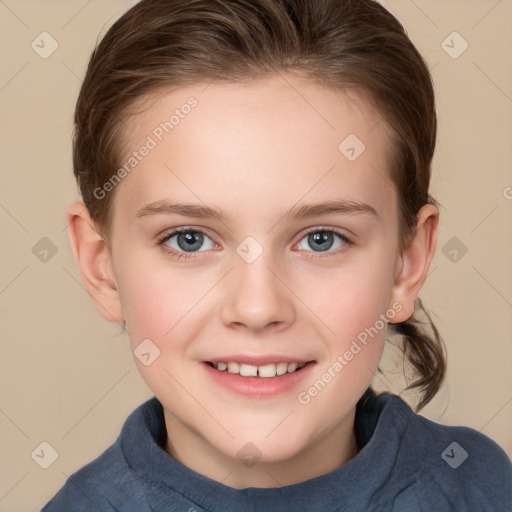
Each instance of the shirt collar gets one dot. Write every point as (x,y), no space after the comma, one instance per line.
(380,421)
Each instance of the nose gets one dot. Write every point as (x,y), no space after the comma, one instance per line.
(257,297)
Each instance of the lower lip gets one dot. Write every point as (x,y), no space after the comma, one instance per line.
(259,386)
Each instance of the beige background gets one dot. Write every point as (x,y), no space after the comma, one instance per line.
(67,377)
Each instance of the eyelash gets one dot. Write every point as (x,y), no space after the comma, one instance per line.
(188,229)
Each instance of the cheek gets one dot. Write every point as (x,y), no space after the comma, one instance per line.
(159,306)
(154,301)
(357,298)
(354,308)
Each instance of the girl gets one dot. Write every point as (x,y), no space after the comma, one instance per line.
(256,213)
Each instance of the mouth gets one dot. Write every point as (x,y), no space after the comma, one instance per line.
(266,371)
(259,378)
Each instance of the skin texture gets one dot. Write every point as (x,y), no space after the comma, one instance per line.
(253,152)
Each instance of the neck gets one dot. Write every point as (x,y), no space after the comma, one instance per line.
(328,453)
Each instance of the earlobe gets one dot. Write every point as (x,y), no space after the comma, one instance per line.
(415,262)
(94,261)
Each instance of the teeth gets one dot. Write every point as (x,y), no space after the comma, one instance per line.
(248,370)
(268,370)
(265,371)
(282,368)
(233,368)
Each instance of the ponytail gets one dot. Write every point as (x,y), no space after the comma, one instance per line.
(425,352)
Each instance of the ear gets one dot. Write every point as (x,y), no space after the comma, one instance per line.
(94,260)
(414,262)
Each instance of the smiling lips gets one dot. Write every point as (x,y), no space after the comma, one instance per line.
(267,370)
(258,376)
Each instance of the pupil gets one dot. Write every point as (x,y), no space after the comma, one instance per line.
(190,241)
(323,239)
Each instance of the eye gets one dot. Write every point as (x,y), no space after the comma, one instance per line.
(322,240)
(185,240)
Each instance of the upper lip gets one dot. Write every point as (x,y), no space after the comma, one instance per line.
(258,360)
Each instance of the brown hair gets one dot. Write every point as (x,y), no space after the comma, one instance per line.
(343,44)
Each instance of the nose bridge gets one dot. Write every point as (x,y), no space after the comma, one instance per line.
(257,297)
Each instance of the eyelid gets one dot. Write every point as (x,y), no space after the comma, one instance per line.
(339,231)
(346,240)
(169,233)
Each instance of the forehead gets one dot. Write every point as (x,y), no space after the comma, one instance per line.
(275,139)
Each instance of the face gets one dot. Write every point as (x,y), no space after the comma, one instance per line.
(288,254)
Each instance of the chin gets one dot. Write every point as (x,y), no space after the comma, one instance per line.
(252,449)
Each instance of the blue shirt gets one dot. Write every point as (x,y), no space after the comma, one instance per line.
(405,463)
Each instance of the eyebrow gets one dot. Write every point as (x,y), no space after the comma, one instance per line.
(301,212)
